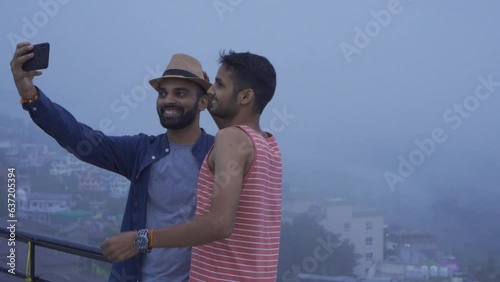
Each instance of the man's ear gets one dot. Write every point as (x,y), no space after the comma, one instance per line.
(203,103)
(246,96)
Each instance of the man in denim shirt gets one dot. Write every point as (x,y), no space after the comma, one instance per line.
(162,169)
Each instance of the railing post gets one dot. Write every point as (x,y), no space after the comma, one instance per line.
(32,260)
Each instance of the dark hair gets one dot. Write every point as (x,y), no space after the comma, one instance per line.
(251,71)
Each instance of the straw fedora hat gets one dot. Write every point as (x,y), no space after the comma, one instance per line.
(186,67)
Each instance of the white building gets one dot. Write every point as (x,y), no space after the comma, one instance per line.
(118,186)
(363,228)
(41,206)
(10,148)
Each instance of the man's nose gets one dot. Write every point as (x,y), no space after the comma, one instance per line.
(210,91)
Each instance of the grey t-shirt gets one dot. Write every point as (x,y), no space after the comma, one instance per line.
(171,200)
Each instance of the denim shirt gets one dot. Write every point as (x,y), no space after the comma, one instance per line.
(130,156)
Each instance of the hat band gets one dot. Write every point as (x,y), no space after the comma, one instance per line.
(179,72)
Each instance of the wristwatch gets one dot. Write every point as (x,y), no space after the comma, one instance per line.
(142,242)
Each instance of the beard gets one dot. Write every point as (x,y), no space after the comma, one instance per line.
(219,111)
(183,120)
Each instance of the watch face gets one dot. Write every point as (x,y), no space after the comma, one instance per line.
(141,241)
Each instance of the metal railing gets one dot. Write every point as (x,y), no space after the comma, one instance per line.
(51,243)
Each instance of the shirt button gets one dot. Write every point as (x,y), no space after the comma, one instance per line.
(153,157)
(167,150)
(34,108)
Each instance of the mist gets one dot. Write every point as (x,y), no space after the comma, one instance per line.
(389,104)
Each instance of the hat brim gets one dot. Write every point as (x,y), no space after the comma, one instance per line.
(155,83)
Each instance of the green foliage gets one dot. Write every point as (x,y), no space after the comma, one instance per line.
(488,271)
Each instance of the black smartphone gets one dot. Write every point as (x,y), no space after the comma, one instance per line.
(41,58)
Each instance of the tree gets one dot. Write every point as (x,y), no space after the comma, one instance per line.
(487,271)
(306,247)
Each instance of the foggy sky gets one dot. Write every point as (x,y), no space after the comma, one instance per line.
(350,118)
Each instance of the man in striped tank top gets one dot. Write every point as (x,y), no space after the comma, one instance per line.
(236,231)
(239,186)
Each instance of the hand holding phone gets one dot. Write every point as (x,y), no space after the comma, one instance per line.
(24,78)
(40,59)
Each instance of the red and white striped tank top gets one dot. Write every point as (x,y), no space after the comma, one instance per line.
(251,252)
